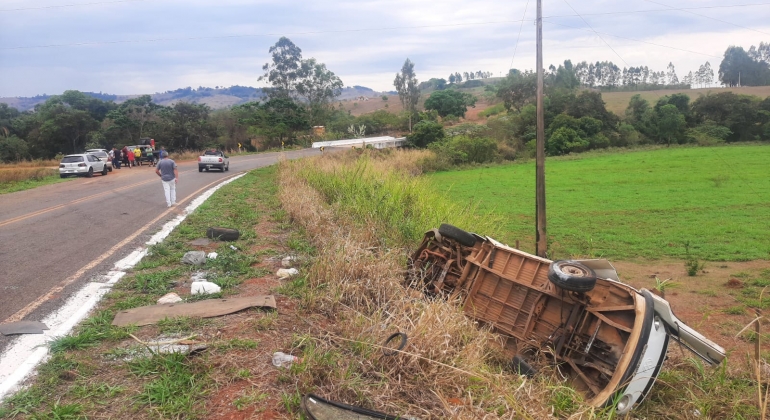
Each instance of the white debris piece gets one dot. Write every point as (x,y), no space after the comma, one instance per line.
(281,359)
(285,273)
(287,262)
(233,248)
(194,258)
(198,276)
(169,298)
(212,255)
(204,288)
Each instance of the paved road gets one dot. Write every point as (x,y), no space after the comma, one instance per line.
(55,238)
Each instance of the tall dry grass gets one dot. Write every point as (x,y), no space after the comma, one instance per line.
(39,163)
(10,175)
(451,366)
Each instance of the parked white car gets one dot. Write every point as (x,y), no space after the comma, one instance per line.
(82,164)
(103,156)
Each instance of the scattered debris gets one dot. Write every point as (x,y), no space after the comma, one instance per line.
(317,408)
(169,298)
(223,234)
(285,273)
(387,351)
(287,262)
(204,288)
(233,248)
(175,345)
(194,258)
(22,327)
(199,276)
(148,315)
(201,242)
(734,283)
(212,255)
(281,359)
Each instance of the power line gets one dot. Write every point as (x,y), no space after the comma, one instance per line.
(516,47)
(709,17)
(638,40)
(597,33)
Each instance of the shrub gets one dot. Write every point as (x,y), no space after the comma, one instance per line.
(466,149)
(709,133)
(565,140)
(425,133)
(13,149)
(493,110)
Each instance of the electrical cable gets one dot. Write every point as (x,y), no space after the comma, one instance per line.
(597,33)
(516,47)
(709,17)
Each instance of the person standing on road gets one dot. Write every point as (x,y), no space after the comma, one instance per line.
(138,155)
(130,154)
(111,153)
(118,159)
(169,175)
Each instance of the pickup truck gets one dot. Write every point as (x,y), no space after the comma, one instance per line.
(213,159)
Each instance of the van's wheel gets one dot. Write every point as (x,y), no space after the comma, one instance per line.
(227,168)
(104,170)
(223,234)
(457,234)
(90,172)
(572,276)
(521,367)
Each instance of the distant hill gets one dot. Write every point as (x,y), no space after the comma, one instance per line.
(216,98)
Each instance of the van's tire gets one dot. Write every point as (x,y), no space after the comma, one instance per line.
(572,276)
(223,234)
(520,366)
(457,234)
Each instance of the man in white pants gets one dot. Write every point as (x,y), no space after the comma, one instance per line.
(169,175)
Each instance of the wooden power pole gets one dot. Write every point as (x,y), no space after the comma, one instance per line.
(541,239)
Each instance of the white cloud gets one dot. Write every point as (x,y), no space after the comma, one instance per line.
(199,42)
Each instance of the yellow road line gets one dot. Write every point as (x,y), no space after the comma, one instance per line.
(18,316)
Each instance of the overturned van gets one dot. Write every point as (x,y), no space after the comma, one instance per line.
(610,338)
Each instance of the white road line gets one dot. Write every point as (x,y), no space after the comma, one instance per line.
(27,351)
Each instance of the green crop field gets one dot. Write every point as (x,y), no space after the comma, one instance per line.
(633,205)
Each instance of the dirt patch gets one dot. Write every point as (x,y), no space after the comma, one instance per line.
(705,301)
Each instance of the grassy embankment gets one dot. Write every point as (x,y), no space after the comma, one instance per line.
(361,215)
(28,174)
(635,204)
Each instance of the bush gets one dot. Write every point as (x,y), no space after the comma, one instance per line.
(425,133)
(466,149)
(709,133)
(565,140)
(493,110)
(13,149)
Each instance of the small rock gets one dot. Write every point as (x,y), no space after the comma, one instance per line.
(199,276)
(169,298)
(194,258)
(204,288)
(285,273)
(201,242)
(212,255)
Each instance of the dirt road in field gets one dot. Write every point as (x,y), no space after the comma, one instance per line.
(55,238)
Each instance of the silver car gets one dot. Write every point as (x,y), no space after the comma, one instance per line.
(81,164)
(103,156)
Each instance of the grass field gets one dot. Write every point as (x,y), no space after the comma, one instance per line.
(617,102)
(644,204)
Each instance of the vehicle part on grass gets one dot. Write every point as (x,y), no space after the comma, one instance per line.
(520,366)
(212,255)
(317,408)
(204,288)
(572,276)
(169,298)
(223,234)
(285,273)
(608,338)
(148,315)
(457,234)
(281,359)
(22,327)
(388,351)
(194,258)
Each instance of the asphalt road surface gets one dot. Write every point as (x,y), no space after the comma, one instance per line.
(55,238)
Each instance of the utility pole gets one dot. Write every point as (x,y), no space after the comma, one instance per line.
(541,240)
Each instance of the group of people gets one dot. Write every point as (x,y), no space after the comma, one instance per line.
(130,157)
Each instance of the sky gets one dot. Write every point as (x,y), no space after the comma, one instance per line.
(149,46)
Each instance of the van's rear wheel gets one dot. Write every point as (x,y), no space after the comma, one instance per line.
(457,234)
(572,276)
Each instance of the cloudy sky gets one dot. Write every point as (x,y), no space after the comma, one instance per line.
(148,46)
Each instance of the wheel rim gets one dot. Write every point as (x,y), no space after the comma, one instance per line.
(574,270)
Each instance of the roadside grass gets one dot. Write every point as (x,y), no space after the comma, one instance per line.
(100,366)
(631,205)
(355,282)
(13,180)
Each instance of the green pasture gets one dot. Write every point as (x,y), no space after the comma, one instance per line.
(629,205)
